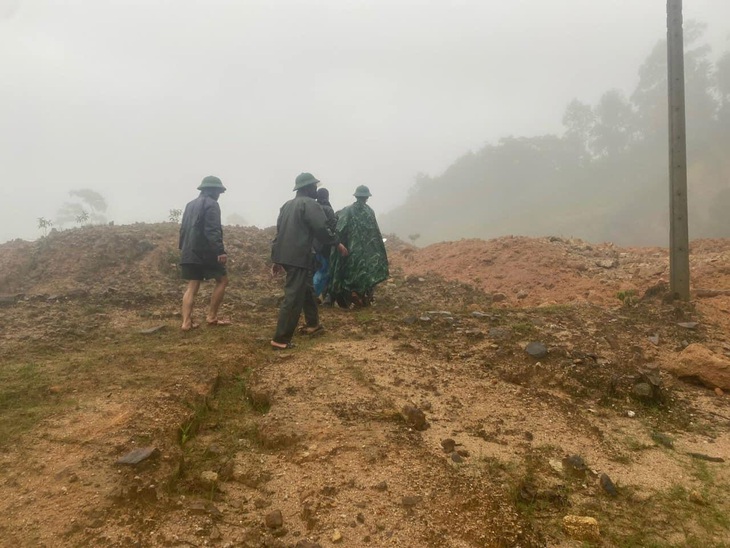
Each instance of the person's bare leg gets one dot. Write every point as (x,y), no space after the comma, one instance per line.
(217,298)
(187,304)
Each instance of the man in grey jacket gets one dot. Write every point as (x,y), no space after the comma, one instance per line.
(203,256)
(300,221)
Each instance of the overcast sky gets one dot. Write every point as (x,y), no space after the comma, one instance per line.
(139,100)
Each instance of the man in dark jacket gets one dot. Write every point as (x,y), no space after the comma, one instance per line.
(300,221)
(203,256)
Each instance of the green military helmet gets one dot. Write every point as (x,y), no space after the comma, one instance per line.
(212,182)
(362,192)
(305,179)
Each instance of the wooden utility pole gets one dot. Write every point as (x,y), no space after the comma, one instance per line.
(678,225)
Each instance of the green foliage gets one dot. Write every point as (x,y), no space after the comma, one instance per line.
(627,297)
(25,398)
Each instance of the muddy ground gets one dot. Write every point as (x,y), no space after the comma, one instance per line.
(345,440)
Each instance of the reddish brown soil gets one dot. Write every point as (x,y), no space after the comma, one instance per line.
(323,433)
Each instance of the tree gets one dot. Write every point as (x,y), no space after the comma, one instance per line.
(604,178)
(650,96)
(175,215)
(82,217)
(613,131)
(579,120)
(44,224)
(88,204)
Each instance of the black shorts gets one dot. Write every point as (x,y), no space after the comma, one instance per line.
(202,271)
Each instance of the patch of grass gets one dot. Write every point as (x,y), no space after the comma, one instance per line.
(495,467)
(358,373)
(671,518)
(523,329)
(364,316)
(628,297)
(26,398)
(701,471)
(632,444)
(192,424)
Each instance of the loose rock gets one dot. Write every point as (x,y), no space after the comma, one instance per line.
(138,455)
(536,350)
(699,362)
(448,445)
(274,519)
(608,485)
(581,528)
(415,418)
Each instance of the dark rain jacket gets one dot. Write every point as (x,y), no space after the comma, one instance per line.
(367,263)
(319,247)
(201,233)
(300,221)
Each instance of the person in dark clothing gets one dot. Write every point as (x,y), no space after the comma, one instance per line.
(300,221)
(322,251)
(353,279)
(203,256)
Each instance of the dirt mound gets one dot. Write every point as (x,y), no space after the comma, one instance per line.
(141,256)
(535,271)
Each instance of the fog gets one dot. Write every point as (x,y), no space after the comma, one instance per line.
(139,100)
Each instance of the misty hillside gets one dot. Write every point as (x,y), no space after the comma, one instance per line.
(605,178)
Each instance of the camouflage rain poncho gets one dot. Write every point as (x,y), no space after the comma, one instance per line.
(366,265)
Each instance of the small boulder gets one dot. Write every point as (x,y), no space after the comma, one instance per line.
(274,520)
(536,350)
(415,418)
(699,362)
(607,485)
(448,445)
(575,465)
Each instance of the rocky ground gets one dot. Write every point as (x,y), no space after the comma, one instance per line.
(512,392)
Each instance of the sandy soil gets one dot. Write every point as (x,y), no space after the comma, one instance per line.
(332,435)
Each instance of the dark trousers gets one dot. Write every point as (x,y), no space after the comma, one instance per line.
(298,295)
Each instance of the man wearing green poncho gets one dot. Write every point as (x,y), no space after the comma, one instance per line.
(354,277)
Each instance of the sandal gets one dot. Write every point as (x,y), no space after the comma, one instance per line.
(192,326)
(282,346)
(219,323)
(311,330)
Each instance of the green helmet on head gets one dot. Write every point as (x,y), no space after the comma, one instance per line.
(362,192)
(212,182)
(305,179)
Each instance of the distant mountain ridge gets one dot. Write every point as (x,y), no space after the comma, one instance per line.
(606,178)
